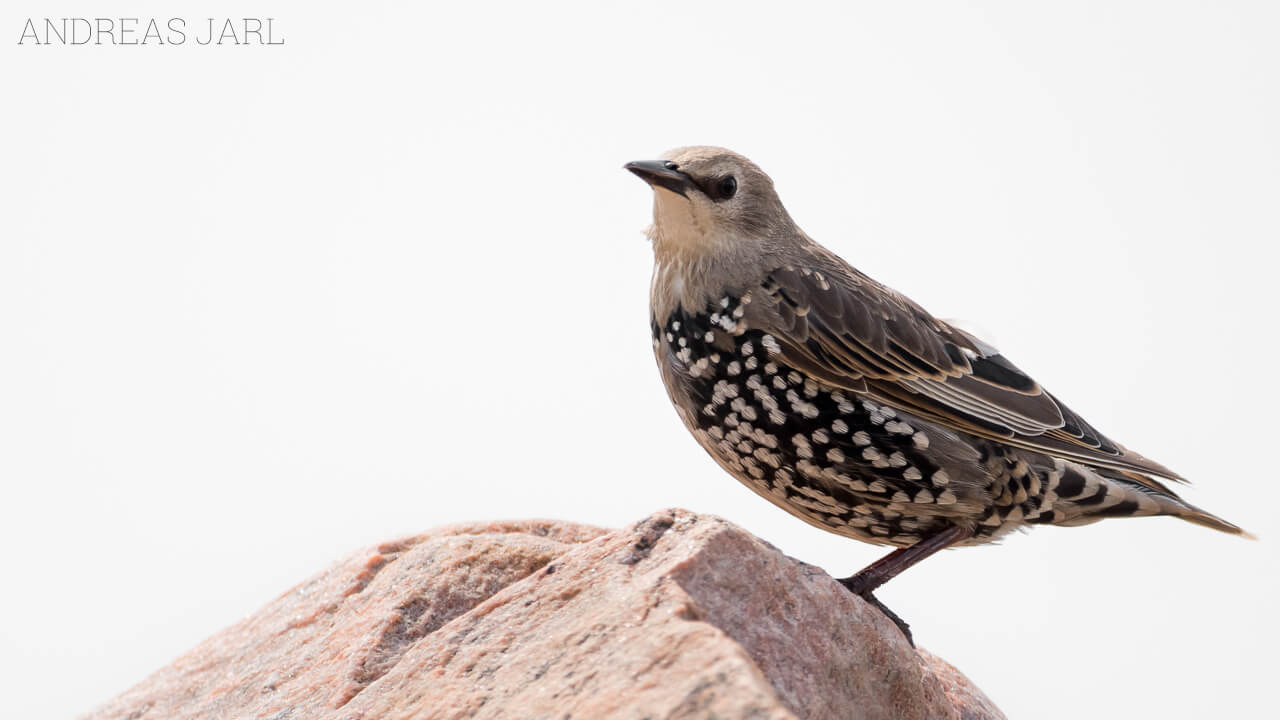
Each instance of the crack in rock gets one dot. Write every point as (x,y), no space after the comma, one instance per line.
(650,531)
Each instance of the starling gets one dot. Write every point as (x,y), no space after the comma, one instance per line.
(848,405)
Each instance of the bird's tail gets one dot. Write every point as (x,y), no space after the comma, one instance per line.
(1193,514)
(1086,495)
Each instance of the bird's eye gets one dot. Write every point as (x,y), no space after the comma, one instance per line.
(726,188)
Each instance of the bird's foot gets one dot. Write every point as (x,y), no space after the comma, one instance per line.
(854,586)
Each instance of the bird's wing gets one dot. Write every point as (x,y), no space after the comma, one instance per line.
(844,328)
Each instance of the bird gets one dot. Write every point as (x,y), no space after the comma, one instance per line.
(848,405)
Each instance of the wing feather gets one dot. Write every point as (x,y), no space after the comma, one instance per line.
(842,327)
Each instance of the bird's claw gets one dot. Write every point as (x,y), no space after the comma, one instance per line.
(855,587)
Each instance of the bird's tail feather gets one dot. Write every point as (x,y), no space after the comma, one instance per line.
(1172,505)
(1101,493)
(1193,514)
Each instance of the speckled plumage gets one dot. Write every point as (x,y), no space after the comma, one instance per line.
(845,403)
(855,465)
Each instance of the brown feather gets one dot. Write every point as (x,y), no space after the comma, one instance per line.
(854,333)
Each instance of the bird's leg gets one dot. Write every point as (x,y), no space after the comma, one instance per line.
(865,582)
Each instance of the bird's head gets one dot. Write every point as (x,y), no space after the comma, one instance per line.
(712,204)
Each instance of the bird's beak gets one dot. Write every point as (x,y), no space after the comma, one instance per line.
(661,174)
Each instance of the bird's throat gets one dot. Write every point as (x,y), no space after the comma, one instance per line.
(682,231)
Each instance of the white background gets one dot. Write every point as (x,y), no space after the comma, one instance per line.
(262,306)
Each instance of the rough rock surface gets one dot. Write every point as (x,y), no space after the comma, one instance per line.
(678,616)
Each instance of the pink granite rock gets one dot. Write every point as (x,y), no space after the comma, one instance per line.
(678,616)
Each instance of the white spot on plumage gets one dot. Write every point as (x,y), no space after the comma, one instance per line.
(857,486)
(899,428)
(808,469)
(696,369)
(767,457)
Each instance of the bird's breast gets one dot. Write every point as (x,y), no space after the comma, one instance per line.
(835,458)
